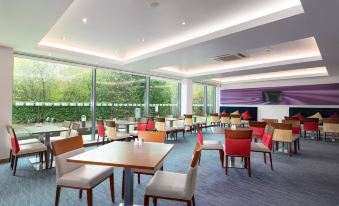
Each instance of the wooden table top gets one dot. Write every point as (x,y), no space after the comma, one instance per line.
(125,154)
(45,128)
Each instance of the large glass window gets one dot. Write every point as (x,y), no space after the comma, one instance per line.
(50,93)
(198,99)
(119,94)
(211,92)
(164,97)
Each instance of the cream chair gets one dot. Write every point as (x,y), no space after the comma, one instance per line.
(112,133)
(174,186)
(283,133)
(24,150)
(211,145)
(78,176)
(215,119)
(160,126)
(180,127)
(148,136)
(64,134)
(189,126)
(330,126)
(75,127)
(236,120)
(225,120)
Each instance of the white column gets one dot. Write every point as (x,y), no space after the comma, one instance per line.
(217,99)
(6,89)
(186,96)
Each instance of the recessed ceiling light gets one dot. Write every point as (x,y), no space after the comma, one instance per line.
(154,4)
(268,50)
(84,20)
(143,40)
(183,23)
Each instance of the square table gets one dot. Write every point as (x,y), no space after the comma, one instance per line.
(126,155)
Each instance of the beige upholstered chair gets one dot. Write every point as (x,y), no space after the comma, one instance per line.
(21,150)
(174,186)
(201,121)
(283,133)
(148,136)
(265,146)
(78,176)
(75,127)
(236,120)
(211,145)
(330,126)
(160,126)
(189,126)
(112,133)
(215,119)
(225,120)
(180,126)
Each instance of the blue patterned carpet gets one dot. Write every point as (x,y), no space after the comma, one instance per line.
(308,178)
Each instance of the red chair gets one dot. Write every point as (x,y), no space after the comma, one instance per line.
(258,128)
(142,126)
(238,144)
(265,146)
(311,125)
(150,125)
(101,131)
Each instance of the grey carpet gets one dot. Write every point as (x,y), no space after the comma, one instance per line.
(308,178)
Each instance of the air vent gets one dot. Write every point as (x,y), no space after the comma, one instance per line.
(229,57)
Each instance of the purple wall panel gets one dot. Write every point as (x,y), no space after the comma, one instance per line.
(323,94)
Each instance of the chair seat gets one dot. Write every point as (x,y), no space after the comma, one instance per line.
(167,184)
(179,128)
(151,172)
(28,141)
(212,145)
(259,147)
(87,176)
(32,148)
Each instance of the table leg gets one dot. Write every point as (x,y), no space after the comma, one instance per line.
(128,187)
(127,128)
(41,165)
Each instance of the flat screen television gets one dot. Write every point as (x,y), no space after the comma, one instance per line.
(271,96)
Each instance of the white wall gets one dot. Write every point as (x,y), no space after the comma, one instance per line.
(278,111)
(186,96)
(6,80)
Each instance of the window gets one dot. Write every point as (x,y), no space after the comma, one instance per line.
(198,99)
(50,93)
(164,97)
(119,94)
(211,92)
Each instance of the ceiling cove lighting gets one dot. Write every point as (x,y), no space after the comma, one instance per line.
(194,35)
(289,74)
(78,50)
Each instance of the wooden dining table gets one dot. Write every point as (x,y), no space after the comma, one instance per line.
(45,131)
(126,155)
(126,123)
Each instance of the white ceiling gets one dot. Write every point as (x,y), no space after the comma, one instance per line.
(114,32)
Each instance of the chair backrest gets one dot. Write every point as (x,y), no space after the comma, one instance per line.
(74,129)
(179,123)
(152,136)
(282,132)
(202,119)
(111,130)
(143,120)
(270,120)
(238,142)
(150,124)
(131,119)
(200,137)
(311,124)
(291,118)
(225,119)
(258,127)
(13,140)
(101,128)
(64,149)
(66,124)
(331,125)
(295,125)
(160,125)
(142,126)
(188,120)
(66,134)
(268,136)
(235,119)
(191,178)
(214,117)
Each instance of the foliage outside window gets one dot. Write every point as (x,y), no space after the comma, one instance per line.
(210,107)
(198,99)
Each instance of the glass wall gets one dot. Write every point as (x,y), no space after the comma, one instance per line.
(198,99)
(50,92)
(119,94)
(211,95)
(164,97)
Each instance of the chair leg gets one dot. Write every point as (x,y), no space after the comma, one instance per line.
(189,203)
(12,161)
(271,160)
(264,157)
(299,144)
(193,200)
(46,159)
(80,193)
(139,178)
(290,149)
(111,184)
(155,200)
(295,146)
(15,164)
(10,156)
(226,168)
(103,140)
(52,159)
(98,141)
(324,136)
(57,195)
(222,155)
(89,197)
(123,185)
(304,134)
(249,166)
(146,200)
